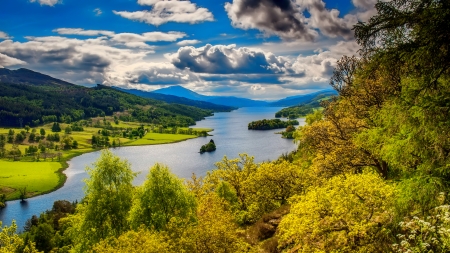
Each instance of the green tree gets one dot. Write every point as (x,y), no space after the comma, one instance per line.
(161,198)
(42,131)
(56,127)
(108,199)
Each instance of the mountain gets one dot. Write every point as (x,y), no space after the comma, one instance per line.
(302,99)
(33,98)
(180,91)
(180,100)
(29,77)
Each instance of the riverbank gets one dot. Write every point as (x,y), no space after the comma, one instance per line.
(41,176)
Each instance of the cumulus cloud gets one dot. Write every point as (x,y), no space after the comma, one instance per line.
(188,42)
(98,11)
(286,19)
(273,17)
(328,21)
(222,59)
(164,11)
(4,36)
(79,61)
(80,31)
(46,2)
(148,37)
(6,61)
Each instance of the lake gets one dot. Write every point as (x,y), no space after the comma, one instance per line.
(230,136)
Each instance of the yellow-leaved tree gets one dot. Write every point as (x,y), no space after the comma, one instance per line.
(348,213)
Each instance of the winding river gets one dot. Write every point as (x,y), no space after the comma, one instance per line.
(230,135)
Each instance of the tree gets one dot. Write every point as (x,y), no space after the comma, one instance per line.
(11,242)
(349,213)
(108,198)
(215,230)
(141,241)
(161,198)
(42,131)
(56,127)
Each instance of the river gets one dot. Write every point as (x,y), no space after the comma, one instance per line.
(230,136)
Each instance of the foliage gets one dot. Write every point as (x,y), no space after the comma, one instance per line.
(210,146)
(347,214)
(299,111)
(215,230)
(431,234)
(143,240)
(161,198)
(11,242)
(107,203)
(267,124)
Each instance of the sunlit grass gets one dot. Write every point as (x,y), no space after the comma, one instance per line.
(37,177)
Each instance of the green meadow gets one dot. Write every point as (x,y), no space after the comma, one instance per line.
(37,177)
(40,175)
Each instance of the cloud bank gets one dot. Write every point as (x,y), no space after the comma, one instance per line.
(164,11)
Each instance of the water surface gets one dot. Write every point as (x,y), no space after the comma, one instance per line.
(230,136)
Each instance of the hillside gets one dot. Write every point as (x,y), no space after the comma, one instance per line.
(32,98)
(180,100)
(303,109)
(302,99)
(180,91)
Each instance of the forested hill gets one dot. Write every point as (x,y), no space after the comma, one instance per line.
(32,98)
(180,100)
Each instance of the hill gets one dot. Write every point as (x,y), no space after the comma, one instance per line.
(180,91)
(32,98)
(180,100)
(302,99)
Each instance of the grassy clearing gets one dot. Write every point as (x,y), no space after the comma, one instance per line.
(46,175)
(155,138)
(37,177)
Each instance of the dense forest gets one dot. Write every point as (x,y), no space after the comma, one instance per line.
(41,99)
(371,173)
(298,111)
(267,124)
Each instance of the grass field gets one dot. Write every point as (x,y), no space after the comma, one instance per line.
(155,138)
(46,175)
(37,177)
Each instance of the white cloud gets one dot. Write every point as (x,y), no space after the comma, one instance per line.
(222,59)
(81,31)
(46,2)
(148,37)
(6,61)
(188,42)
(164,11)
(4,35)
(98,11)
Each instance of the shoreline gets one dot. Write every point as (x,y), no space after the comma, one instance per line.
(62,177)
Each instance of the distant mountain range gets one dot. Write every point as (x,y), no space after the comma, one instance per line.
(177,93)
(179,100)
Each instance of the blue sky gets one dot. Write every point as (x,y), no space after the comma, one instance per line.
(260,49)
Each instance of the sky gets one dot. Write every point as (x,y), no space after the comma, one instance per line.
(259,49)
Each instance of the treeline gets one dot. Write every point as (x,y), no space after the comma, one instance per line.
(302,110)
(27,104)
(267,124)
